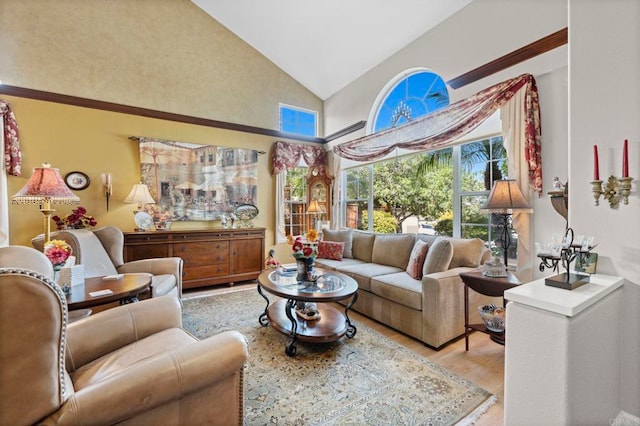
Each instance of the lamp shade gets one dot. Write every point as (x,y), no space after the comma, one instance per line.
(314,207)
(139,194)
(45,185)
(505,197)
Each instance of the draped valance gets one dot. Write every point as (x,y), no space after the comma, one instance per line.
(287,156)
(445,126)
(12,156)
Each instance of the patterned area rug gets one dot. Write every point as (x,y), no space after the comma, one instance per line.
(367,380)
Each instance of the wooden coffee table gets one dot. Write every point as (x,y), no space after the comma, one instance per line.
(125,290)
(330,287)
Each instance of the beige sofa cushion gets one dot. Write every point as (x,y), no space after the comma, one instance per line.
(392,249)
(438,257)
(362,245)
(466,252)
(340,235)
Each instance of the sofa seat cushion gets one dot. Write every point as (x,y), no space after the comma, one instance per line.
(399,288)
(362,273)
(333,264)
(119,361)
(162,284)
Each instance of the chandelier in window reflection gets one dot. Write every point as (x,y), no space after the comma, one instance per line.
(402,110)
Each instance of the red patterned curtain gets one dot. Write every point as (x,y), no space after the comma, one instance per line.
(443,127)
(287,156)
(12,155)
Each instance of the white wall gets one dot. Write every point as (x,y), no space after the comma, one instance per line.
(605,109)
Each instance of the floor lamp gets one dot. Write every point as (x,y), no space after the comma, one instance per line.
(505,197)
(45,187)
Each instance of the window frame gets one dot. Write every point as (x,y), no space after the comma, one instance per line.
(292,108)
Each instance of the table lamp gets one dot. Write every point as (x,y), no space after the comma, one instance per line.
(314,209)
(139,194)
(45,187)
(504,198)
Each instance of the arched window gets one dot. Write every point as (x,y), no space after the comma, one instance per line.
(411,94)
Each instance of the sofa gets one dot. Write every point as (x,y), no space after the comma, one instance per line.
(101,252)
(410,282)
(130,365)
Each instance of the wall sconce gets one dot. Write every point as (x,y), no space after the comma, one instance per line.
(616,188)
(106,183)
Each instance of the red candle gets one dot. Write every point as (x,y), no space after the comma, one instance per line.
(596,166)
(625,159)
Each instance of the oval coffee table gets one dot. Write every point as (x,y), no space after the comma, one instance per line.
(330,287)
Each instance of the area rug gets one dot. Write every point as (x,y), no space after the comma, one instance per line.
(366,380)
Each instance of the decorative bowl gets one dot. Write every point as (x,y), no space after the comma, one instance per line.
(493,317)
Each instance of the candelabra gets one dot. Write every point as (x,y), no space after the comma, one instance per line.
(568,253)
(615,189)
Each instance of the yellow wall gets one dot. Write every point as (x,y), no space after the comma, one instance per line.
(165,55)
(94,141)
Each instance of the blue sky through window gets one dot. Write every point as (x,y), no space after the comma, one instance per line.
(416,95)
(298,121)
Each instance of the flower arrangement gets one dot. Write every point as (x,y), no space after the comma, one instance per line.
(161,218)
(57,251)
(312,235)
(77,219)
(302,249)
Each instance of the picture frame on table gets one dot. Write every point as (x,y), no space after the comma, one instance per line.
(587,263)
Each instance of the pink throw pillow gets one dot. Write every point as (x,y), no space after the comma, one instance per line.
(330,250)
(416,259)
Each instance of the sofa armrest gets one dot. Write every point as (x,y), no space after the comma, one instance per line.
(156,266)
(443,306)
(158,381)
(107,331)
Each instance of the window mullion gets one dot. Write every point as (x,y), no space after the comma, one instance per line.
(457,196)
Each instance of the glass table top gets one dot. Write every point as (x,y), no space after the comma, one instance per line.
(325,282)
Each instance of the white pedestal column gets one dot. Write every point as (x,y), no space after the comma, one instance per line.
(563,353)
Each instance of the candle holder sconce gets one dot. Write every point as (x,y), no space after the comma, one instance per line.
(613,191)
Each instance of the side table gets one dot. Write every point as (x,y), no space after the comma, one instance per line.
(488,286)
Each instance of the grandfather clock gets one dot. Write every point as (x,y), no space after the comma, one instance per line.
(320,193)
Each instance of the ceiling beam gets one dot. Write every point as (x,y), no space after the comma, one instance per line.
(538,47)
(144,112)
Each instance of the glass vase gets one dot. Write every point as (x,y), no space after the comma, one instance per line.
(304,266)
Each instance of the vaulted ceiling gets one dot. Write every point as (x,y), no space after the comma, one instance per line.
(327,44)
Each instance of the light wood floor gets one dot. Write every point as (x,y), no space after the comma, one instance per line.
(482,365)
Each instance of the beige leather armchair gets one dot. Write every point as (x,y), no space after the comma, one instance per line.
(131,365)
(101,253)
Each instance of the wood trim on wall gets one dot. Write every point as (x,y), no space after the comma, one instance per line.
(349,129)
(144,112)
(538,47)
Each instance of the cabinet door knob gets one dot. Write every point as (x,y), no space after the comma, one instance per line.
(219,258)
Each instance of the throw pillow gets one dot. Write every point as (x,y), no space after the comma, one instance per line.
(340,235)
(466,252)
(438,257)
(330,250)
(416,259)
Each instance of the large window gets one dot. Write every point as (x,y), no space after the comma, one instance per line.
(295,201)
(442,189)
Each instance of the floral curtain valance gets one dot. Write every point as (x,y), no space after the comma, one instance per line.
(287,156)
(12,154)
(443,127)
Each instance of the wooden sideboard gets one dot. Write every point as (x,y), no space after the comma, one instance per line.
(215,256)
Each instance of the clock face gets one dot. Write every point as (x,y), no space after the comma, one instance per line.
(77,180)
